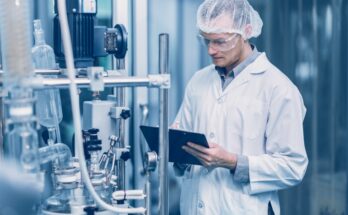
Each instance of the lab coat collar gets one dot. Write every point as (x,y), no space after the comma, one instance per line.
(259,66)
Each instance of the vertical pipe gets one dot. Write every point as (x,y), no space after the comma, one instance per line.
(1,115)
(140,59)
(120,15)
(121,101)
(1,126)
(148,194)
(163,127)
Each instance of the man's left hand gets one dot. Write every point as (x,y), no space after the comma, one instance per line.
(214,156)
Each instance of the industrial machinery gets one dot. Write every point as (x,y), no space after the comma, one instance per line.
(93,179)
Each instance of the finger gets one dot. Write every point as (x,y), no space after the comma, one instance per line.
(204,159)
(204,163)
(193,153)
(213,145)
(198,147)
(196,153)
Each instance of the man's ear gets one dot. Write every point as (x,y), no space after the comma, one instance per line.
(248,31)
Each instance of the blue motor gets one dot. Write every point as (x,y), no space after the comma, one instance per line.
(88,40)
(81,19)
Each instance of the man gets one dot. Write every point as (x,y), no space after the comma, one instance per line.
(251,114)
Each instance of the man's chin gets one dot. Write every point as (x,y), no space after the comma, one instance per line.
(219,63)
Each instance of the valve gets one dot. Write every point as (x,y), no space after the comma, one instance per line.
(91,142)
(125,114)
(90,210)
(125,155)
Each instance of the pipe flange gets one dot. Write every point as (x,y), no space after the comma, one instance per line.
(151,159)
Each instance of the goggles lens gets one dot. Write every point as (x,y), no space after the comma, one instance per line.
(223,44)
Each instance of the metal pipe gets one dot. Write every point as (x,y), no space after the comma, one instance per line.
(121,102)
(42,72)
(1,126)
(150,81)
(108,81)
(163,127)
(148,194)
(48,71)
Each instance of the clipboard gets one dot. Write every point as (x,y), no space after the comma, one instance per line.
(177,139)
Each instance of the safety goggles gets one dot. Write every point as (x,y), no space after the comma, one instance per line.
(222,44)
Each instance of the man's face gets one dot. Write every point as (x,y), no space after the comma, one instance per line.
(225,49)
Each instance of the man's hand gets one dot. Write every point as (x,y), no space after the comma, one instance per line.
(215,156)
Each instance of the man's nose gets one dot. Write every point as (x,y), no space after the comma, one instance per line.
(211,51)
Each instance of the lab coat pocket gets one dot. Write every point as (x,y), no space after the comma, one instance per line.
(253,116)
(233,121)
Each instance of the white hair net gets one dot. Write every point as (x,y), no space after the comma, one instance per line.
(229,16)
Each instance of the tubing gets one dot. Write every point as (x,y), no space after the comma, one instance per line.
(76,114)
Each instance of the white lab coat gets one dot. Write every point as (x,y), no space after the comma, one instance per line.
(259,115)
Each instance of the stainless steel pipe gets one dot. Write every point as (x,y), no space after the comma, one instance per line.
(42,72)
(1,126)
(108,81)
(121,102)
(163,127)
(151,81)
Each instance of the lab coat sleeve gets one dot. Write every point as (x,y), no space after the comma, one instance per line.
(285,161)
(183,119)
(241,173)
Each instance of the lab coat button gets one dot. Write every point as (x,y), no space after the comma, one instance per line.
(211,135)
(220,100)
(200,204)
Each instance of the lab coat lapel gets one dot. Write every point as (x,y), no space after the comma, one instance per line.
(217,88)
(257,67)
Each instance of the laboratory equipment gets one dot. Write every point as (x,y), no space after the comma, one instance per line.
(81,15)
(93,179)
(16,43)
(43,55)
(48,105)
(22,140)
